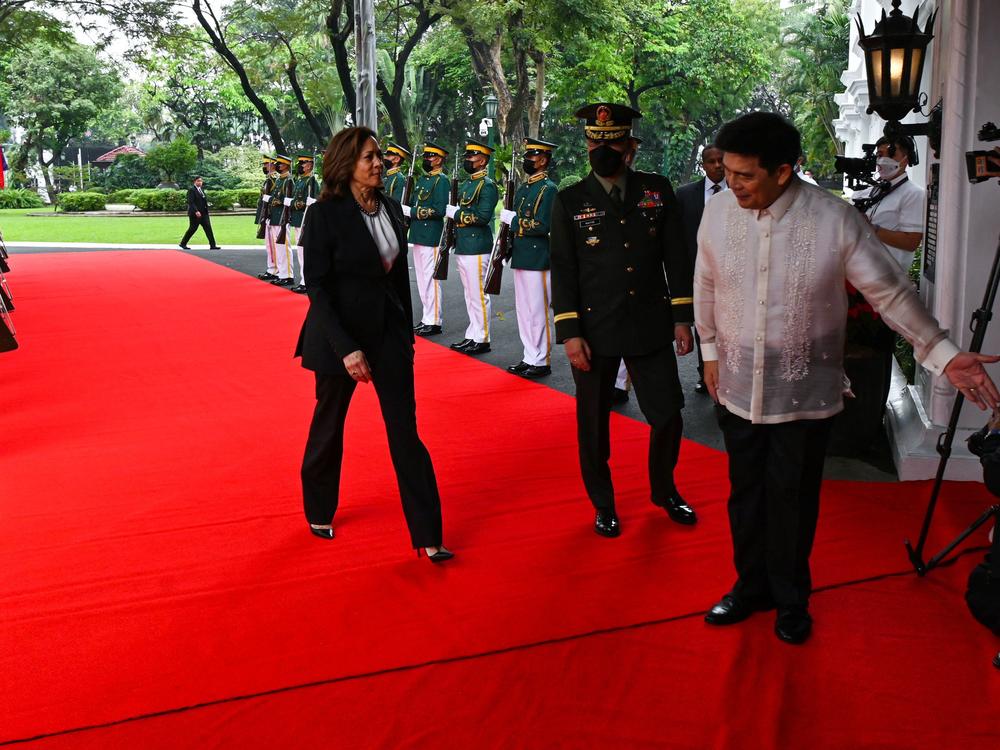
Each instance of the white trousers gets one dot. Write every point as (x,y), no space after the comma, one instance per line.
(621,382)
(272,266)
(472,272)
(293,241)
(282,254)
(532,291)
(424,258)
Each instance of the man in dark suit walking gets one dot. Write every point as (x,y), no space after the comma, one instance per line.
(692,198)
(197,205)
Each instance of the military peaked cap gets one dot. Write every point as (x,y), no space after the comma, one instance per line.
(607,122)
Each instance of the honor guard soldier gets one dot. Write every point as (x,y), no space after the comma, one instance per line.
(281,198)
(263,211)
(395,176)
(426,213)
(477,200)
(530,260)
(616,243)
(305,193)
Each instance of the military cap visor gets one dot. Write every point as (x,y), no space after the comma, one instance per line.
(532,147)
(282,159)
(434,150)
(305,157)
(392,148)
(607,122)
(477,147)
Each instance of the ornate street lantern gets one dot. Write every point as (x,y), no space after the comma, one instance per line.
(894,59)
(490,102)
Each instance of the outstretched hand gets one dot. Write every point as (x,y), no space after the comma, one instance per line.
(967,374)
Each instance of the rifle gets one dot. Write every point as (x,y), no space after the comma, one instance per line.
(286,208)
(503,246)
(408,185)
(447,240)
(264,208)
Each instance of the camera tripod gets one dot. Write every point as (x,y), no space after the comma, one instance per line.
(978,324)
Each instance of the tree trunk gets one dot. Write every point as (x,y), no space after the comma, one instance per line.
(339,38)
(218,42)
(322,133)
(535,108)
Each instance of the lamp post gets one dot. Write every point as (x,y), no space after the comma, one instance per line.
(490,103)
(894,60)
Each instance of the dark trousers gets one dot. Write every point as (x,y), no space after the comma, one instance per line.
(701,362)
(193,223)
(657,388)
(775,473)
(392,373)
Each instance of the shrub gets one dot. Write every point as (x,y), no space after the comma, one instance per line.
(160,200)
(127,171)
(568,181)
(121,196)
(216,177)
(81,202)
(248,198)
(20,198)
(221,200)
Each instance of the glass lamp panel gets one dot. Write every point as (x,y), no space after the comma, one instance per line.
(897,55)
(876,69)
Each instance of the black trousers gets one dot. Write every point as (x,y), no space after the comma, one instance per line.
(193,223)
(392,377)
(658,390)
(775,473)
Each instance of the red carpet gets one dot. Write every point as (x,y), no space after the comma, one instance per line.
(154,559)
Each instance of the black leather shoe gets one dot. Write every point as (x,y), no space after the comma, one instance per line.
(266,276)
(701,388)
(606,523)
(299,289)
(518,368)
(183,247)
(428,330)
(284,282)
(732,610)
(322,533)
(793,625)
(475,348)
(460,345)
(438,557)
(620,396)
(536,371)
(215,247)
(678,510)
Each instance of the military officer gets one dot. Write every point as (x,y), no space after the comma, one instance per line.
(620,395)
(426,212)
(477,200)
(263,210)
(395,176)
(304,194)
(281,199)
(530,260)
(616,244)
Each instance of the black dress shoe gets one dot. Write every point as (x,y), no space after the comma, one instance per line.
(438,557)
(701,388)
(428,330)
(215,247)
(536,371)
(322,533)
(793,625)
(518,368)
(620,396)
(475,348)
(678,510)
(299,289)
(266,276)
(284,282)
(732,610)
(460,345)
(183,247)
(606,523)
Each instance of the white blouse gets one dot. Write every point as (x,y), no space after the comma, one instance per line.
(382,231)
(770,303)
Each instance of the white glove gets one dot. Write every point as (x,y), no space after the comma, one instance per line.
(451,211)
(267,198)
(288,201)
(310,201)
(507,216)
(406,211)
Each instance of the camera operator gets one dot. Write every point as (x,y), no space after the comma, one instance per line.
(983,593)
(895,207)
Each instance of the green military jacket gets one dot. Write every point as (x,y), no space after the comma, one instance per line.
(395,181)
(427,209)
(305,187)
(477,199)
(262,205)
(533,204)
(283,186)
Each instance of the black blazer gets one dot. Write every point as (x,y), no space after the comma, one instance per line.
(351,297)
(691,198)
(196,202)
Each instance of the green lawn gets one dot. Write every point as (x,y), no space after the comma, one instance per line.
(18,226)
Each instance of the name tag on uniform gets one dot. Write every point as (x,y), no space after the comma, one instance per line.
(651,199)
(589,218)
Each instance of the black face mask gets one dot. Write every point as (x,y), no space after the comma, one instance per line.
(428,167)
(468,166)
(265,170)
(605,161)
(529,167)
(298,169)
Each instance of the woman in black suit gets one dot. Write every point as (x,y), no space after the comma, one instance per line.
(359,329)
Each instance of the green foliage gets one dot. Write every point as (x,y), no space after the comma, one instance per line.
(247,198)
(242,162)
(128,171)
(221,200)
(160,200)
(173,160)
(20,198)
(121,196)
(215,177)
(70,202)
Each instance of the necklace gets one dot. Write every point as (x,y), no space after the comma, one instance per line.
(369,214)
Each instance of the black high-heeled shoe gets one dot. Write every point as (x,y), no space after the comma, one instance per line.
(438,557)
(322,533)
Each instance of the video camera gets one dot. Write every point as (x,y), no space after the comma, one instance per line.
(984,165)
(858,169)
